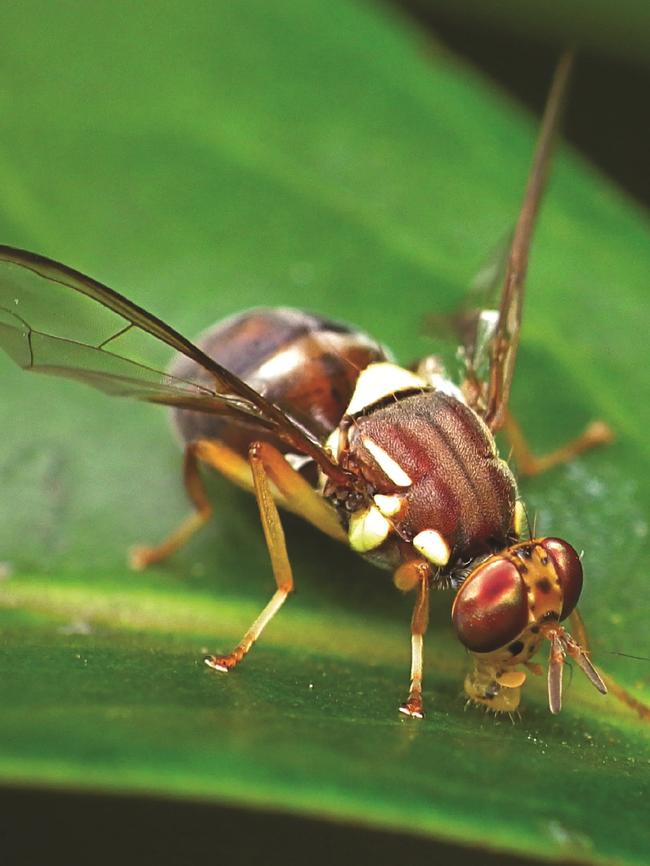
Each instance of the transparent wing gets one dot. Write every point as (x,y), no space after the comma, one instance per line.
(487,324)
(472,325)
(504,342)
(55,320)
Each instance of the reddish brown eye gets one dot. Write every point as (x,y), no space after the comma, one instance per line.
(569,569)
(491,607)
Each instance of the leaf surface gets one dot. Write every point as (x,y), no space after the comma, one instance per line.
(324,157)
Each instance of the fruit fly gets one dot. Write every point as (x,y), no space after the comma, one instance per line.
(316,417)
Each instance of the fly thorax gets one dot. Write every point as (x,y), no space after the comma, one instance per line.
(431,482)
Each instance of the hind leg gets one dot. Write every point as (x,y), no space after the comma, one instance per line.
(224,460)
(290,490)
(596,433)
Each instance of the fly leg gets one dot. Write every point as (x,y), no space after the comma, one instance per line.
(226,461)
(579,633)
(419,622)
(294,493)
(596,433)
(268,467)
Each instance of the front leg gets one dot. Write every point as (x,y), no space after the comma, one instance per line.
(419,622)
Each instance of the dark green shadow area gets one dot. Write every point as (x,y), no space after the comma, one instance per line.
(174,833)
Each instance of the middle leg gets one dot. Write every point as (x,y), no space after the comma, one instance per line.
(260,455)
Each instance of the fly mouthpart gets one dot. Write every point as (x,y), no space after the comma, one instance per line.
(563,644)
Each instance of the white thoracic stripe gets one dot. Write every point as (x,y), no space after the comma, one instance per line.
(387,465)
(379,380)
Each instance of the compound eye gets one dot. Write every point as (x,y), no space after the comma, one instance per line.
(569,570)
(491,607)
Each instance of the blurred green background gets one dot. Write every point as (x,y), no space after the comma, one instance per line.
(212,157)
(514,42)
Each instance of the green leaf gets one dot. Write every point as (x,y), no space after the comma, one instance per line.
(326,157)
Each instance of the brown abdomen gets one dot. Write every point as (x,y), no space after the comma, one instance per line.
(305,364)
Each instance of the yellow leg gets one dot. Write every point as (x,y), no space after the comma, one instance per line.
(290,490)
(596,433)
(413,705)
(294,493)
(580,634)
(262,456)
(142,556)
